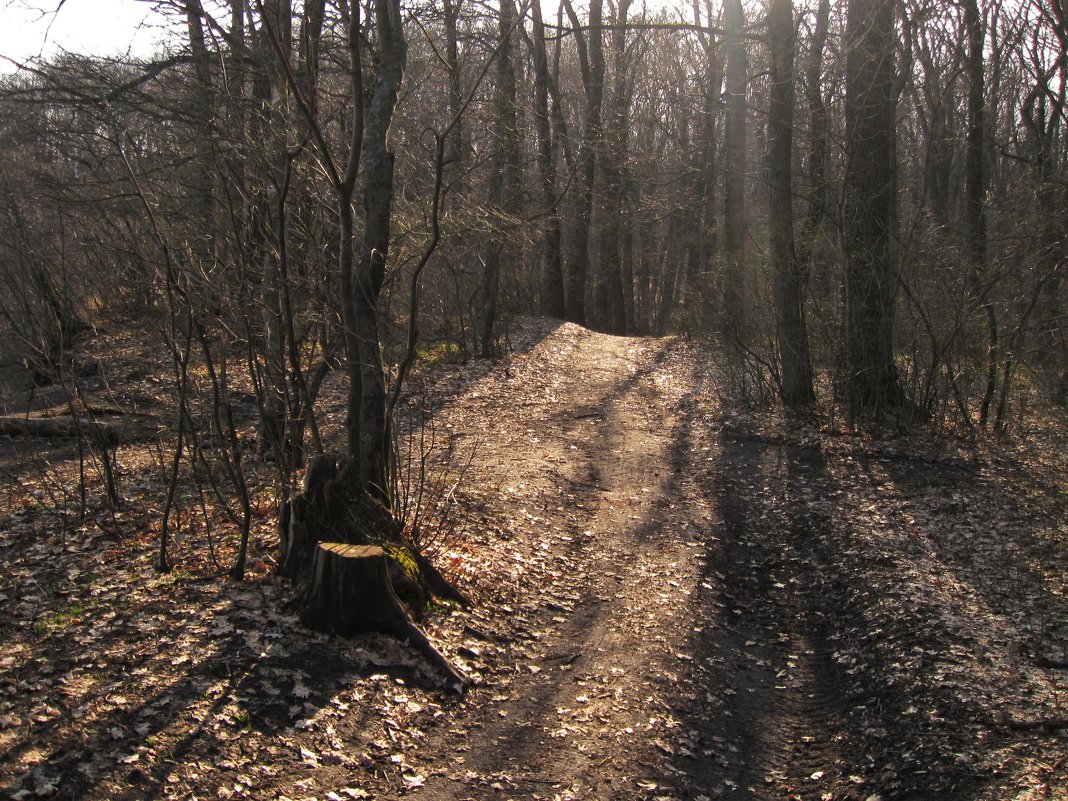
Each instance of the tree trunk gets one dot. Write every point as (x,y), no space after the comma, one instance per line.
(350,592)
(372,448)
(274,412)
(734,324)
(200,113)
(504,178)
(591,63)
(552,284)
(868,207)
(455,152)
(815,261)
(975,198)
(797,392)
(702,240)
(348,587)
(608,287)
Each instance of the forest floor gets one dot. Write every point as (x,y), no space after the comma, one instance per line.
(673,600)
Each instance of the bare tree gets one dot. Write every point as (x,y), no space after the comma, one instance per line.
(504,191)
(815,225)
(589,44)
(975,195)
(609,293)
(370,448)
(867,209)
(733,322)
(796,390)
(552,287)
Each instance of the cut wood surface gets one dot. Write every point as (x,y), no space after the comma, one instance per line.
(351,593)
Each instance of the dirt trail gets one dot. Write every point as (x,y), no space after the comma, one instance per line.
(661,656)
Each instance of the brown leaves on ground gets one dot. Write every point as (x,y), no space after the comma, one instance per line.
(674,600)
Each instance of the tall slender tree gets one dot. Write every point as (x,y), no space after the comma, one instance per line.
(552,284)
(733,322)
(702,244)
(609,291)
(504,175)
(455,153)
(975,195)
(372,446)
(815,226)
(787,285)
(589,44)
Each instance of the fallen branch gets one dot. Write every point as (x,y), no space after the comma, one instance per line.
(1051,664)
(1043,725)
(101,434)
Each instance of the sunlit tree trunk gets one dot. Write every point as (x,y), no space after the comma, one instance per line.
(455,152)
(372,445)
(200,113)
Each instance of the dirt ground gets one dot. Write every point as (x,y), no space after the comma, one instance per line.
(674,600)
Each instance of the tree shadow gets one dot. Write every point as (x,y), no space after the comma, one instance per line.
(133,708)
(999,540)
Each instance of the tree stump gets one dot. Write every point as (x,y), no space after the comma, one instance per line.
(350,592)
(306,516)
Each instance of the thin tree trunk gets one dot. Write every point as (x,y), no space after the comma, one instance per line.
(797,392)
(975,197)
(455,152)
(734,324)
(608,287)
(346,233)
(373,454)
(702,239)
(311,33)
(814,260)
(504,177)
(552,284)
(591,62)
(200,112)
(274,413)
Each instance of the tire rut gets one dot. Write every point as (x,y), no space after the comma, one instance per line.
(781,732)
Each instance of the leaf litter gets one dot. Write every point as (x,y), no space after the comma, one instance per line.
(675,600)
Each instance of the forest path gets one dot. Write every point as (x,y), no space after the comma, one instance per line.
(656,638)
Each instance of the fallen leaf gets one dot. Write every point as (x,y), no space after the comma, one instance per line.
(414,780)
